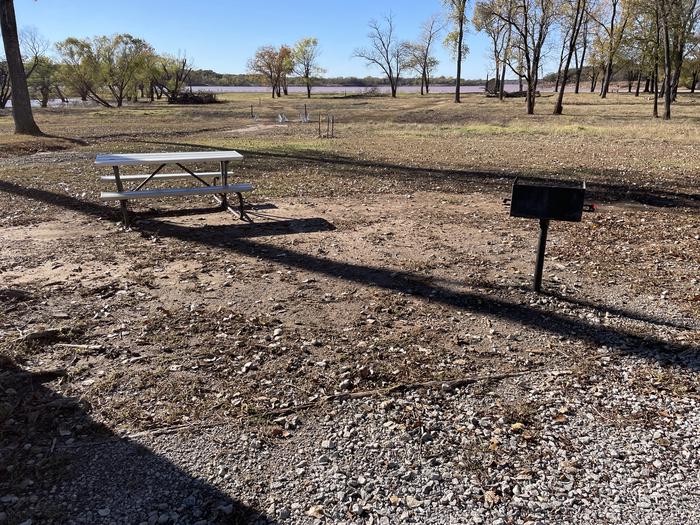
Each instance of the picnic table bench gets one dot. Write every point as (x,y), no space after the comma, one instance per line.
(209,180)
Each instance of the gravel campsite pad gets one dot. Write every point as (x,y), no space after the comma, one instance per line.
(367,351)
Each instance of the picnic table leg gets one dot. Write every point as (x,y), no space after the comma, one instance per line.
(122,203)
(224,182)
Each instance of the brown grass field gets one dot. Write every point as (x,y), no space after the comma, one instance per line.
(382,256)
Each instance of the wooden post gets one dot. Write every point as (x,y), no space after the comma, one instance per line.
(251,111)
(333,126)
(306,115)
(328,126)
(319,125)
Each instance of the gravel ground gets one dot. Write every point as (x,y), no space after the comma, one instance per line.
(544,447)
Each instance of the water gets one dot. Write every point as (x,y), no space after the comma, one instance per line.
(350,90)
(322,90)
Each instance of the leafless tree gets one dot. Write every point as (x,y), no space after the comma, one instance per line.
(531,21)
(420,57)
(33,47)
(574,15)
(385,51)
(612,17)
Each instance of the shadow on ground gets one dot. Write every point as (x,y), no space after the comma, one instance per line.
(521,313)
(597,191)
(59,466)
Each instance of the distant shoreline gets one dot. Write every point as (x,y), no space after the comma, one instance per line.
(344,89)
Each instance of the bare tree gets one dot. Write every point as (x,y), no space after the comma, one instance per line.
(499,32)
(385,51)
(531,21)
(583,46)
(612,17)
(21,103)
(575,14)
(420,57)
(457,13)
(170,74)
(33,47)
(5,85)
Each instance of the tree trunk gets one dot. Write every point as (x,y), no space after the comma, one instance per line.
(694,81)
(308,87)
(639,83)
(21,103)
(656,89)
(502,87)
(63,98)
(605,84)
(530,98)
(458,82)
(594,80)
(45,92)
(667,70)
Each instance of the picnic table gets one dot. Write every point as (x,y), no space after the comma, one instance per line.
(218,184)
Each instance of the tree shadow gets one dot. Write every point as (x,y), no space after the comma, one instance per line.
(60,466)
(72,140)
(523,314)
(600,308)
(598,191)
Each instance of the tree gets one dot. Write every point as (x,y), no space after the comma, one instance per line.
(33,47)
(419,57)
(612,17)
(80,69)
(305,57)
(285,67)
(385,51)
(531,21)
(5,90)
(169,74)
(574,15)
(21,103)
(267,63)
(499,33)
(42,80)
(692,65)
(119,58)
(457,14)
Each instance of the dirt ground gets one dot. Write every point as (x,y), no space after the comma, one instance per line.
(383,256)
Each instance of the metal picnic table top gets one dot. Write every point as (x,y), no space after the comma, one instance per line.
(130,159)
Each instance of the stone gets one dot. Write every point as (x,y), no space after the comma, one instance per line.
(412,502)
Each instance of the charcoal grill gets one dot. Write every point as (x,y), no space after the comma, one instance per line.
(551,200)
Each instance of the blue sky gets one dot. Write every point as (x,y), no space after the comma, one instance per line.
(222,35)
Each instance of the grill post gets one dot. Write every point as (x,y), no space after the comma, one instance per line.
(539,264)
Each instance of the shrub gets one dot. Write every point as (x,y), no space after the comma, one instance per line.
(188,97)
